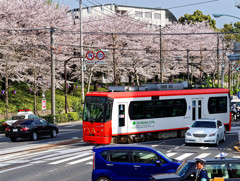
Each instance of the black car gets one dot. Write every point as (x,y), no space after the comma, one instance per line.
(30,128)
(227,168)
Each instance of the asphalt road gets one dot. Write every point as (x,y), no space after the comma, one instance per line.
(73,162)
(66,132)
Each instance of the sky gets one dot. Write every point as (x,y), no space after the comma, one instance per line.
(177,7)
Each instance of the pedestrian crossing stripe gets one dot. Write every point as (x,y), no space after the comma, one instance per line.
(68,159)
(185,155)
(81,160)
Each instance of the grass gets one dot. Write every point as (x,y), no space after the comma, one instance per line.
(24,99)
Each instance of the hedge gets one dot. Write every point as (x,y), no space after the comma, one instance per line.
(60,118)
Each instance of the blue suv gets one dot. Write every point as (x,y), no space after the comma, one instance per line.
(129,162)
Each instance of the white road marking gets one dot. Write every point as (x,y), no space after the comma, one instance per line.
(171,154)
(203,148)
(185,155)
(236,156)
(81,160)
(38,161)
(61,156)
(3,164)
(89,163)
(176,147)
(219,155)
(67,159)
(2,171)
(203,155)
(154,145)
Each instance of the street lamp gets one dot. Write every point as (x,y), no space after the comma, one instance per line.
(216,15)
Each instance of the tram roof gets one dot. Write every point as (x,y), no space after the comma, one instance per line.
(159,93)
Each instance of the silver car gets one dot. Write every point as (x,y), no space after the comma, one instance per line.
(203,131)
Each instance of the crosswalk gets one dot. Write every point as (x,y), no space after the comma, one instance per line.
(82,155)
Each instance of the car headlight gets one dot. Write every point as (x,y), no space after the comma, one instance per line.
(188,134)
(212,134)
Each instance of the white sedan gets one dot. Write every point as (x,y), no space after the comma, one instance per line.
(209,131)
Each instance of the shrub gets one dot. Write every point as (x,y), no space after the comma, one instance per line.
(48,118)
(60,118)
(72,116)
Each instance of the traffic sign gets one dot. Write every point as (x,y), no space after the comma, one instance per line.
(90,55)
(44,104)
(100,55)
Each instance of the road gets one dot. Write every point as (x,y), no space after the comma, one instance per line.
(73,161)
(66,132)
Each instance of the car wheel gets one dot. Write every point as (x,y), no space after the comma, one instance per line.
(13,139)
(53,133)
(103,179)
(34,136)
(217,141)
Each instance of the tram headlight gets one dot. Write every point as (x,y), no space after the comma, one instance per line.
(188,134)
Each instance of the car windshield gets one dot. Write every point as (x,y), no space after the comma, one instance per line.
(17,117)
(22,122)
(183,168)
(204,124)
(28,122)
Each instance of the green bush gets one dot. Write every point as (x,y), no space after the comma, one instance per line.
(48,118)
(73,116)
(60,118)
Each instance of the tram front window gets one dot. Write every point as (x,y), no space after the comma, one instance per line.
(97,109)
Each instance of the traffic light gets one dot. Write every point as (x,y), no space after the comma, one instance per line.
(238,68)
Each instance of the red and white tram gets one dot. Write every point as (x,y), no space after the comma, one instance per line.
(141,115)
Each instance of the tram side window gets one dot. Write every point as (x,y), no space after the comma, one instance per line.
(217,105)
(157,108)
(121,115)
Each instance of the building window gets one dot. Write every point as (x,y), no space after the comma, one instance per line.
(217,105)
(157,16)
(138,14)
(148,15)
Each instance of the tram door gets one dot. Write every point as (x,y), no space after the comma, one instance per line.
(197,109)
(122,118)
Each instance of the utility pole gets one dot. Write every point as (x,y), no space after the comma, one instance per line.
(52,31)
(223,64)
(161,64)
(218,62)
(81,48)
(188,66)
(114,60)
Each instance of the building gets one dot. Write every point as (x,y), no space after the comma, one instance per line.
(153,16)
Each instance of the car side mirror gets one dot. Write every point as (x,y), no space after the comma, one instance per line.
(158,162)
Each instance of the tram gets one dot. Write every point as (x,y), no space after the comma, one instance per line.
(152,111)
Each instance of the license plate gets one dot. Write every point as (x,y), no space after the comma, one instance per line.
(200,140)
(15,130)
